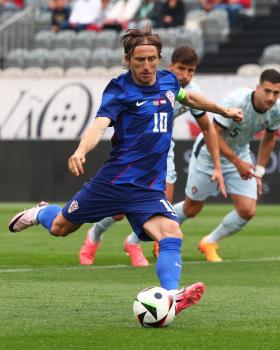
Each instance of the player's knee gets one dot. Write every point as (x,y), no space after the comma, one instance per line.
(247,213)
(118,217)
(172,229)
(59,230)
(191,210)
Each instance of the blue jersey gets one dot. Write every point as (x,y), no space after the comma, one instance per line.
(142,120)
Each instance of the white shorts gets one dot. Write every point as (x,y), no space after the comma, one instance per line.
(200,186)
(171,175)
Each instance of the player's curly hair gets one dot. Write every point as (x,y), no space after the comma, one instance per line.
(137,37)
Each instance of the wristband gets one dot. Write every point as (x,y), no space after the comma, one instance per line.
(259,171)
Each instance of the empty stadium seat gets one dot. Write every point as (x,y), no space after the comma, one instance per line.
(250,69)
(115,58)
(44,39)
(106,38)
(78,57)
(97,72)
(53,72)
(33,72)
(100,57)
(271,54)
(15,58)
(36,58)
(57,58)
(115,71)
(271,66)
(76,72)
(13,72)
(85,39)
(166,57)
(192,38)
(63,39)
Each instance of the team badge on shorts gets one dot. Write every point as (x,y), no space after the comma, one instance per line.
(73,206)
(194,190)
(171,97)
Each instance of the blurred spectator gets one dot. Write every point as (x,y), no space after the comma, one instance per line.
(147,14)
(106,7)
(60,13)
(172,14)
(11,4)
(84,12)
(122,12)
(209,5)
(233,7)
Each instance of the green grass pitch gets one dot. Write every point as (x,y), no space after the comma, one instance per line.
(48,301)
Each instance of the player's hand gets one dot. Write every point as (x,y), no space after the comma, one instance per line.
(75,163)
(259,186)
(218,176)
(234,113)
(245,169)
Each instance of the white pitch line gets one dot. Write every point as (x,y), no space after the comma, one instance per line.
(105,267)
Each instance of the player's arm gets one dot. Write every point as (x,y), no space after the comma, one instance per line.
(195,100)
(211,140)
(266,147)
(245,169)
(89,141)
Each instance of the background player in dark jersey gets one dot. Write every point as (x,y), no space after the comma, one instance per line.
(132,181)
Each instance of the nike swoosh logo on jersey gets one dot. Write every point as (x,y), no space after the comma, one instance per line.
(138,104)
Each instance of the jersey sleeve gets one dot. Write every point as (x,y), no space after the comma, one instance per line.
(196,113)
(111,104)
(275,119)
(230,101)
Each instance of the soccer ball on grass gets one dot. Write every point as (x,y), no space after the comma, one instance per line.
(154,307)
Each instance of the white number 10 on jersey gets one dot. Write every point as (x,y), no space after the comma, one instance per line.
(160,122)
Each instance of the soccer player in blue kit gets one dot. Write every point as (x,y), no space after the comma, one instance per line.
(132,181)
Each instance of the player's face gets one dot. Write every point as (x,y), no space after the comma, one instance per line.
(266,95)
(143,64)
(183,72)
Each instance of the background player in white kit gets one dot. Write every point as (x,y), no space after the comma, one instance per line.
(183,64)
(243,180)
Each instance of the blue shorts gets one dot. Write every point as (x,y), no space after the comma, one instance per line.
(97,200)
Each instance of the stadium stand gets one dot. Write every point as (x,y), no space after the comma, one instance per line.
(13,72)
(75,72)
(97,72)
(250,69)
(78,58)
(36,58)
(33,72)
(270,54)
(53,72)
(246,42)
(219,48)
(44,39)
(16,58)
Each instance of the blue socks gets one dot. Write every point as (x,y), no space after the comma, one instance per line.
(47,215)
(169,262)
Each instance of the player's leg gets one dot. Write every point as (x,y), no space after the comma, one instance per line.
(94,236)
(169,264)
(188,209)
(132,247)
(198,188)
(244,195)
(233,222)
(171,177)
(47,215)
(169,193)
